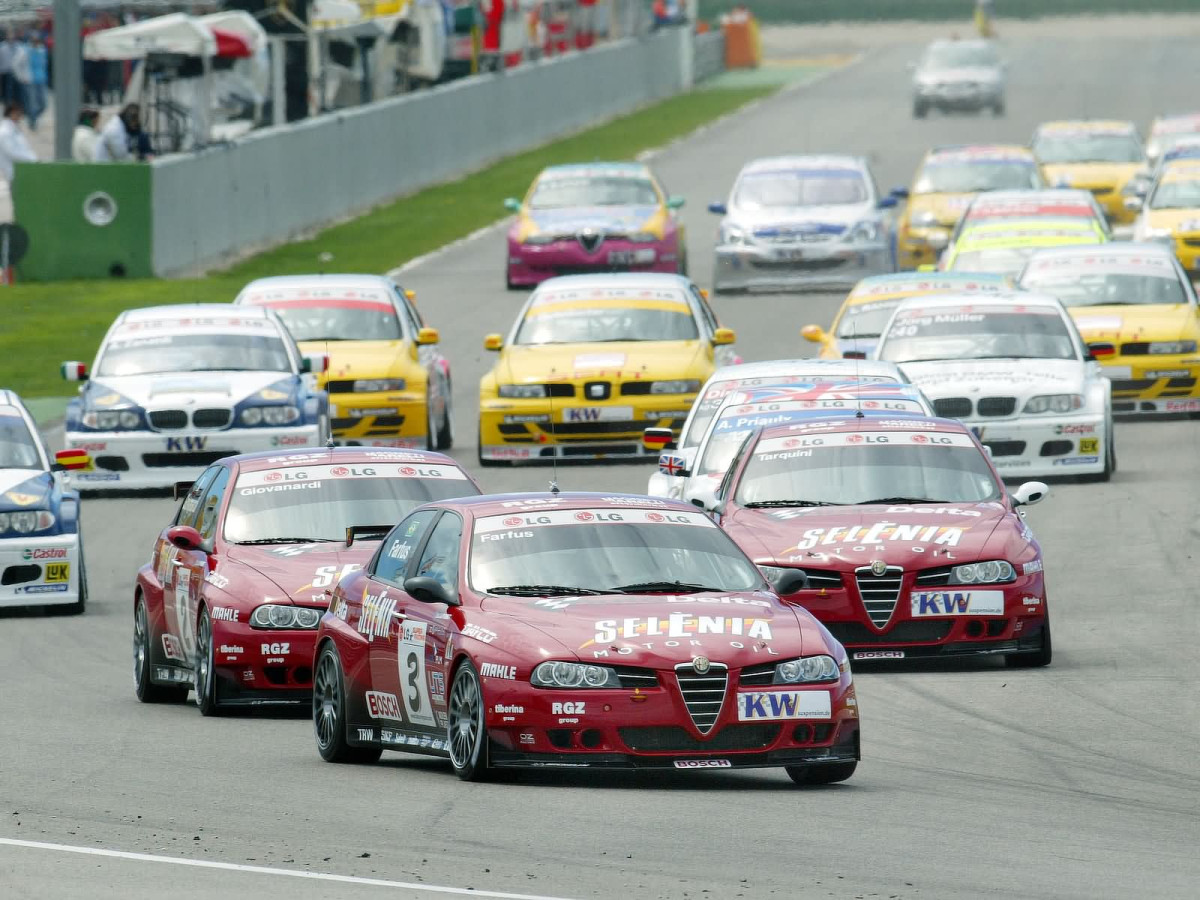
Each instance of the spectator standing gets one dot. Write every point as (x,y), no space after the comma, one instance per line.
(14,146)
(39,63)
(83,141)
(113,143)
(7,85)
(22,73)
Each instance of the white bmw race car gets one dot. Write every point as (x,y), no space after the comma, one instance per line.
(175,388)
(1013,367)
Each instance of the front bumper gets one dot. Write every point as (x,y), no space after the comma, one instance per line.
(134,460)
(258,666)
(1148,385)
(959,96)
(524,430)
(379,419)
(829,264)
(1045,445)
(921,246)
(531,264)
(40,571)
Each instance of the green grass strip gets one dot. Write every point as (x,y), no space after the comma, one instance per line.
(49,322)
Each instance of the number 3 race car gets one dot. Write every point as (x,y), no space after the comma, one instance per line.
(230,601)
(577,630)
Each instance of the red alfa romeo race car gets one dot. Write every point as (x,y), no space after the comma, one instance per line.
(909,541)
(577,630)
(230,601)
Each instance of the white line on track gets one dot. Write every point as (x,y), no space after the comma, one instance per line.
(267,870)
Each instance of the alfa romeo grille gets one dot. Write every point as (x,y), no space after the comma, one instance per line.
(879,592)
(704,695)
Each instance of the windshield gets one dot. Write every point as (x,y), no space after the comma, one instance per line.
(781,188)
(1082,288)
(866,320)
(17,447)
(591,324)
(318,503)
(194,353)
(585,190)
(1176,194)
(1087,148)
(866,467)
(603,549)
(993,261)
(970,177)
(347,321)
(978,333)
(958,56)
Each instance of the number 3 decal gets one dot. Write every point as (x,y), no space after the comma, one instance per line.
(411,657)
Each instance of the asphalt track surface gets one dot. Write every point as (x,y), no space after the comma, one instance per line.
(1080,780)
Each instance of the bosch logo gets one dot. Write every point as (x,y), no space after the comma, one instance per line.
(273,476)
(656,517)
(919,439)
(513,521)
(854,439)
(584,516)
(339,471)
(407,470)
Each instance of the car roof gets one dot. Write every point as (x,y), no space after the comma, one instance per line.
(321,279)
(954,301)
(854,391)
(853,423)
(892,286)
(806,161)
(628,280)
(10,398)
(961,42)
(1098,126)
(1164,122)
(175,312)
(307,456)
(1041,196)
(624,166)
(498,504)
(1120,249)
(836,368)
(1024,232)
(1018,152)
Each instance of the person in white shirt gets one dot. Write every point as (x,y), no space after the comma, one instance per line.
(83,141)
(113,142)
(14,146)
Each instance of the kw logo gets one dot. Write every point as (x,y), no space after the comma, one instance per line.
(177,445)
(590,414)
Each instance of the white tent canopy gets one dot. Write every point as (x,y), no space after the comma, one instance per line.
(174,33)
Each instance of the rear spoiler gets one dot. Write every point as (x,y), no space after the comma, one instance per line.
(368,532)
(182,488)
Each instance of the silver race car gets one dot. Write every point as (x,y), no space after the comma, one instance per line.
(957,75)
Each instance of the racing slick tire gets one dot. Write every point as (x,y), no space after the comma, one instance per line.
(329,712)
(445,432)
(205,674)
(1036,658)
(827,773)
(466,729)
(920,110)
(147,691)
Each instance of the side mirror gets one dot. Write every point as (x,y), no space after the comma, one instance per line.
(315,363)
(1029,493)
(493,342)
(704,496)
(675,202)
(1098,349)
(900,193)
(70,460)
(658,439)
(74,371)
(888,202)
(429,590)
(410,295)
(704,293)
(723,336)
(718,207)
(790,581)
(180,489)
(185,537)
(814,333)
(428,336)
(673,465)
(1133,203)
(512,204)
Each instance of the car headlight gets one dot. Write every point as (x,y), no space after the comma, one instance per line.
(269,415)
(539,238)
(732,234)
(807,669)
(522,391)
(680,386)
(643,237)
(925,220)
(26,521)
(271,615)
(574,675)
(863,231)
(1172,347)
(371,385)
(1059,403)
(772,573)
(112,419)
(991,572)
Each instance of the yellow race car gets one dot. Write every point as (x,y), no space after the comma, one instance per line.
(1166,131)
(866,310)
(388,384)
(1137,312)
(947,181)
(1171,214)
(1002,247)
(594,360)
(1098,155)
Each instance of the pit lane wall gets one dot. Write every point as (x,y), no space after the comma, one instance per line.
(283,182)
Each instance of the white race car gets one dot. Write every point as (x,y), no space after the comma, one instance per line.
(747,376)
(175,388)
(1014,368)
(41,549)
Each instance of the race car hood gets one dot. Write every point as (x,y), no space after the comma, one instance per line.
(1118,324)
(360,359)
(847,537)
(291,568)
(777,221)
(605,219)
(1175,219)
(525,363)
(660,630)
(946,208)
(1022,378)
(25,489)
(1087,175)
(197,389)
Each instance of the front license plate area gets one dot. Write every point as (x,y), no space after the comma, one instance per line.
(575,414)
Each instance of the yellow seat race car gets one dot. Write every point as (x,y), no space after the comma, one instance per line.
(1171,214)
(866,310)
(1166,131)
(388,384)
(1002,248)
(594,360)
(948,179)
(1098,155)
(1137,312)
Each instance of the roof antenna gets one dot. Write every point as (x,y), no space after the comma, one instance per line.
(858,414)
(554,436)
(329,445)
